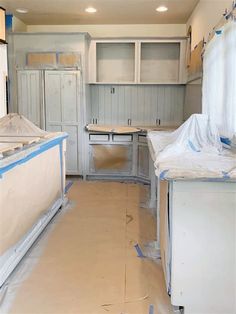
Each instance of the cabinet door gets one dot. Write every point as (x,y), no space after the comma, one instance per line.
(165,244)
(143,161)
(29,95)
(62,111)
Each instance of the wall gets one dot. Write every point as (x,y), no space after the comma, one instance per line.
(204,18)
(18,25)
(143,104)
(193,98)
(141,30)
(206,15)
(3,74)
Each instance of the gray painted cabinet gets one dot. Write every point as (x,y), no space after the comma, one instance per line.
(29,83)
(51,100)
(62,111)
(118,155)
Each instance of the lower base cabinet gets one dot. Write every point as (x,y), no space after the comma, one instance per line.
(116,155)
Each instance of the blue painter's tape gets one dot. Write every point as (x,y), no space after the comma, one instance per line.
(40,150)
(9,18)
(151,309)
(225,175)
(139,251)
(68,186)
(163,174)
(190,143)
(225,140)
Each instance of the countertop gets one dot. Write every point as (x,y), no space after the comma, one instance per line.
(119,129)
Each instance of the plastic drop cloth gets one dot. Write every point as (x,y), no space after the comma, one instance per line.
(193,151)
(14,124)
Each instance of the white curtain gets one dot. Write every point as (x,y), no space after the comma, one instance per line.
(219,79)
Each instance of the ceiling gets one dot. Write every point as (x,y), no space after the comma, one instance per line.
(62,12)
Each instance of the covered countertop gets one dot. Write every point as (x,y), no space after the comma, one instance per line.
(194,151)
(119,129)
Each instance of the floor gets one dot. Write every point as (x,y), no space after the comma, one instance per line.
(85,262)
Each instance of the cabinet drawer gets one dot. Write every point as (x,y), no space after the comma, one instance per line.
(122,138)
(99,137)
(142,139)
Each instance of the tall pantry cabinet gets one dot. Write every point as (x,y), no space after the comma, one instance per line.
(51,100)
(47,74)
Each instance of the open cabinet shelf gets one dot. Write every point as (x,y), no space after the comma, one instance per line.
(159,62)
(115,62)
(137,61)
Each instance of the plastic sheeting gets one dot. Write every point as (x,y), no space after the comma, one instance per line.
(14,124)
(192,151)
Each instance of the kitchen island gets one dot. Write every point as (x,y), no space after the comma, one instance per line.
(32,184)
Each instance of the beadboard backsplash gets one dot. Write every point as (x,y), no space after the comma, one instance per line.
(143,105)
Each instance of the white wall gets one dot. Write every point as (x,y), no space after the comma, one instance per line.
(3,74)
(139,30)
(206,15)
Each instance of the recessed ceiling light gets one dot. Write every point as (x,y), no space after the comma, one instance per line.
(21,10)
(162,8)
(91,10)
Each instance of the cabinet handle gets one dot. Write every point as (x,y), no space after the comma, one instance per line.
(96,121)
(158,121)
(129,121)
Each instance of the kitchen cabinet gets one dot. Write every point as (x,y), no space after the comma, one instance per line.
(62,111)
(118,155)
(197,241)
(142,157)
(115,62)
(160,62)
(29,92)
(110,154)
(138,61)
(113,159)
(51,100)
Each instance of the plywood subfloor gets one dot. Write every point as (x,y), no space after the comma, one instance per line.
(85,263)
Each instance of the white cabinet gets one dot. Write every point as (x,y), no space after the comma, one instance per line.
(137,61)
(29,92)
(63,111)
(198,244)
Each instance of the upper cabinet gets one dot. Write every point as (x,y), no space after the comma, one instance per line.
(115,62)
(137,61)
